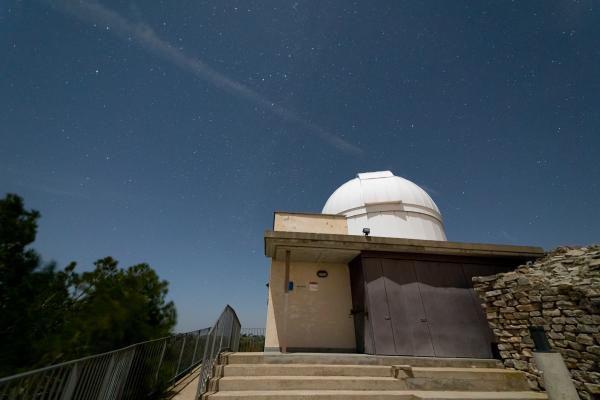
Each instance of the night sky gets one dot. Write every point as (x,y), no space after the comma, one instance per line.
(168,132)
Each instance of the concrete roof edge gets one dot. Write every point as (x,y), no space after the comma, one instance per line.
(302,239)
(312,214)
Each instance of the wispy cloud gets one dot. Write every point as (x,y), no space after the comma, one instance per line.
(18,177)
(144,35)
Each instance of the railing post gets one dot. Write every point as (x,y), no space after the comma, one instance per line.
(207,355)
(195,348)
(69,389)
(129,357)
(230,335)
(216,333)
(160,361)
(180,356)
(221,335)
(107,377)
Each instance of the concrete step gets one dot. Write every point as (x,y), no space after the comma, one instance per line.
(239,383)
(372,395)
(355,359)
(306,370)
(405,377)
(477,379)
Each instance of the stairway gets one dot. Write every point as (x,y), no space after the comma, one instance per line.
(304,376)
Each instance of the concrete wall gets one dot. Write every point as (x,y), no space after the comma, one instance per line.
(311,223)
(312,320)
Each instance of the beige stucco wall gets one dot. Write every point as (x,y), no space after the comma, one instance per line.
(311,223)
(314,319)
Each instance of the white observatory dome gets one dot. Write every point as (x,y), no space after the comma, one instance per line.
(390,206)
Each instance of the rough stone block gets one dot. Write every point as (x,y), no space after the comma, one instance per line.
(507,309)
(593,349)
(551,313)
(522,281)
(549,304)
(529,307)
(585,339)
(575,345)
(521,365)
(588,328)
(573,313)
(556,335)
(571,328)
(549,298)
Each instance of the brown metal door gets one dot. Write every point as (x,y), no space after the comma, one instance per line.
(409,322)
(377,307)
(454,318)
(420,308)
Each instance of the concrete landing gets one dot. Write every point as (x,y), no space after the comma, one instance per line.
(356,359)
(373,395)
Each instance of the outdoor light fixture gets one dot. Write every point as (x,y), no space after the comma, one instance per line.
(366,231)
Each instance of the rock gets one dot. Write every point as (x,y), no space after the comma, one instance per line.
(528,307)
(575,346)
(593,388)
(522,281)
(551,313)
(521,365)
(555,335)
(594,349)
(564,304)
(585,339)
(587,328)
(493,293)
(549,298)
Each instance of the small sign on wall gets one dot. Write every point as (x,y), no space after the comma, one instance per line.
(313,286)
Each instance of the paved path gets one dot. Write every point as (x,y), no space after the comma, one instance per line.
(186,388)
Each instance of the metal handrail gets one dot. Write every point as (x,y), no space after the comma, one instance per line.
(133,372)
(223,336)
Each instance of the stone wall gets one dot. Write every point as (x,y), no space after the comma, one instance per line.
(561,292)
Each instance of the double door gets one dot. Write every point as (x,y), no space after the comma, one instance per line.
(420,308)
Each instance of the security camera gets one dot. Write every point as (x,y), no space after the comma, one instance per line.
(366,231)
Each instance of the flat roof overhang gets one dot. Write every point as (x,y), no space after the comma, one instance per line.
(321,247)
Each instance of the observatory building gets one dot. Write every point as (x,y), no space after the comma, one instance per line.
(374,273)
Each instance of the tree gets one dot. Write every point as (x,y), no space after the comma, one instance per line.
(49,315)
(116,307)
(17,230)
(30,295)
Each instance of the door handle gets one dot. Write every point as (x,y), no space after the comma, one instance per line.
(387,317)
